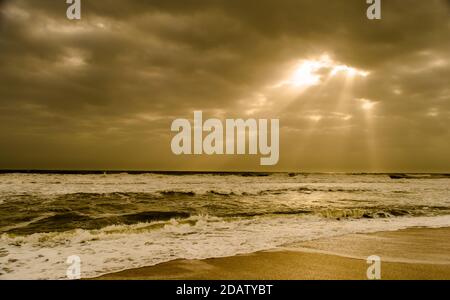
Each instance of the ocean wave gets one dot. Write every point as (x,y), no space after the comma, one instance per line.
(176,193)
(61,220)
(353,213)
(182,192)
(118,247)
(71,220)
(419,176)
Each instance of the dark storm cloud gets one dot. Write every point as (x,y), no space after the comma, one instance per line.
(113,82)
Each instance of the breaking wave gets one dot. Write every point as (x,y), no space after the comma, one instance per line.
(119,221)
(118,247)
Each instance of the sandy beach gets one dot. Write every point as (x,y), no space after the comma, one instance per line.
(418,253)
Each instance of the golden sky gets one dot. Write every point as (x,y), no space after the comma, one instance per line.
(352,95)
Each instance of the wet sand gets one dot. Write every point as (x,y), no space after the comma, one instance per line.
(419,253)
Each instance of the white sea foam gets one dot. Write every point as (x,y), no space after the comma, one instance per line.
(266,203)
(119,247)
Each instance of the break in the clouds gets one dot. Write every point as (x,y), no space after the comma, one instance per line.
(100,93)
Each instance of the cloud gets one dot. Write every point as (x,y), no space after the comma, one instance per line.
(113,82)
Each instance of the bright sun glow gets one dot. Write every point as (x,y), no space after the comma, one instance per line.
(349,71)
(310,72)
(315,118)
(306,75)
(367,104)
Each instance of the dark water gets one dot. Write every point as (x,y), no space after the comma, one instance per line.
(151,218)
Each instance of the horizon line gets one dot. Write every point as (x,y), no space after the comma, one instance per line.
(134,171)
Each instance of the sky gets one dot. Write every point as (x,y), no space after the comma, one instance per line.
(351,94)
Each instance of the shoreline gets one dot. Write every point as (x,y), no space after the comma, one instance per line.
(415,253)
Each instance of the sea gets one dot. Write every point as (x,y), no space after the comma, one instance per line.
(120,220)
